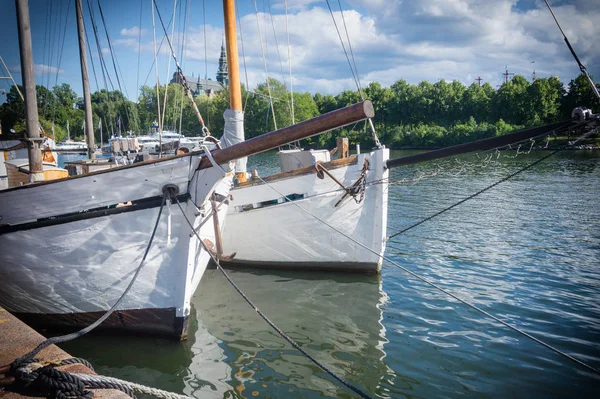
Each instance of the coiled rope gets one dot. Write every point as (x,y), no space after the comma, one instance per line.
(434,285)
(266,319)
(98,380)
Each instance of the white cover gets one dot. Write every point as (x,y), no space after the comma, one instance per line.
(283,235)
(84,266)
(233,133)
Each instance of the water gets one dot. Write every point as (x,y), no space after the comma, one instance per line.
(527,251)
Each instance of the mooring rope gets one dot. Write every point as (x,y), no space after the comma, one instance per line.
(110,382)
(434,285)
(265,318)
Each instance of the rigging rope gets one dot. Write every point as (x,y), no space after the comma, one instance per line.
(354,75)
(115,63)
(434,285)
(169,64)
(186,17)
(582,67)
(278,53)
(60,54)
(182,78)
(353,70)
(103,68)
(239,24)
(264,317)
(287,34)
(117,69)
(472,196)
(137,76)
(205,58)
(157,84)
(262,50)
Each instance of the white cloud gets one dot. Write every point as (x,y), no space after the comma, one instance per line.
(41,69)
(394,39)
(134,31)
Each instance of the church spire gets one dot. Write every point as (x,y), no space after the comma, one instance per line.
(222,73)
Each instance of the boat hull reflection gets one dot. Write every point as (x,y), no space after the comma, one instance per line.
(337,319)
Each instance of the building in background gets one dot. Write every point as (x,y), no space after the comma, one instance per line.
(223,73)
(208,87)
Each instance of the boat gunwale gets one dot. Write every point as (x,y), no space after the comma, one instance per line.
(335,164)
(98,172)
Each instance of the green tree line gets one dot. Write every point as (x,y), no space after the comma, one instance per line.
(406,115)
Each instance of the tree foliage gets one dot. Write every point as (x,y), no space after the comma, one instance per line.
(422,115)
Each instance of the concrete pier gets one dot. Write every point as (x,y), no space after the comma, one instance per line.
(17,339)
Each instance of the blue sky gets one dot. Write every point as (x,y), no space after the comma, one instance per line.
(392,40)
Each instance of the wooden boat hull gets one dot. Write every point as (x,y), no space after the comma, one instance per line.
(69,256)
(266,231)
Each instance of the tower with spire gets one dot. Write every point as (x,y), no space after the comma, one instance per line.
(222,73)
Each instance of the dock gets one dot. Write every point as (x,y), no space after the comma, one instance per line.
(17,339)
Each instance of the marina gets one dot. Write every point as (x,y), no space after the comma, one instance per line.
(174,264)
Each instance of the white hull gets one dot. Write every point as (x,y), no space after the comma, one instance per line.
(284,236)
(72,266)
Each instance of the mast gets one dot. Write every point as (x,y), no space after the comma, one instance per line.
(36,172)
(234,117)
(235,90)
(87,99)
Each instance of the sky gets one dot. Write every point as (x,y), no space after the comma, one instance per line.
(390,40)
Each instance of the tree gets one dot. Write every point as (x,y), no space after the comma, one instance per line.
(404,106)
(543,101)
(510,101)
(580,95)
(325,103)
(65,96)
(476,103)
(13,110)
(380,97)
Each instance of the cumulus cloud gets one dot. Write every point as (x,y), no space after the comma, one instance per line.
(392,40)
(483,37)
(41,69)
(134,31)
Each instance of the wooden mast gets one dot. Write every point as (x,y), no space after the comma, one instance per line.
(233,66)
(36,172)
(87,100)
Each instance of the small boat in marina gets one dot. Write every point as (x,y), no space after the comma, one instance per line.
(72,147)
(296,209)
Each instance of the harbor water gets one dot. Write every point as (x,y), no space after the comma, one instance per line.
(527,251)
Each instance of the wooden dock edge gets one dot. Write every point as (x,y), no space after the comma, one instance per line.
(17,339)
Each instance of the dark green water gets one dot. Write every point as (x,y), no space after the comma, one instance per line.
(527,251)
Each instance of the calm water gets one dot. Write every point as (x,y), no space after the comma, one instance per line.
(527,251)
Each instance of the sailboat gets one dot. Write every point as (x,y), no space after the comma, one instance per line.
(71,246)
(295,211)
(330,215)
(298,211)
